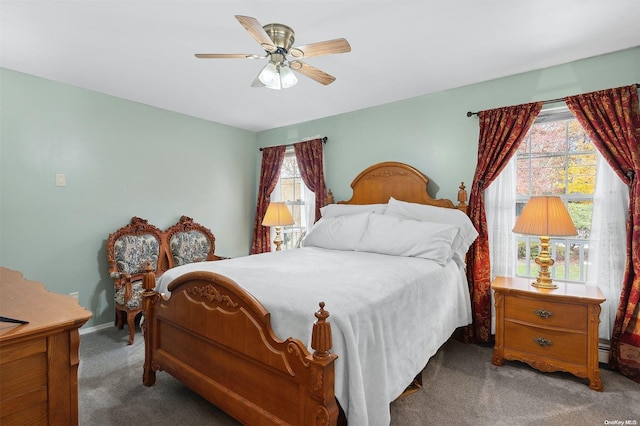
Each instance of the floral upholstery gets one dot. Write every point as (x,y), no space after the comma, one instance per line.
(132,252)
(131,248)
(189,242)
(188,247)
(135,302)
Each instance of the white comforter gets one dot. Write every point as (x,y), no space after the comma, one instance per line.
(389,314)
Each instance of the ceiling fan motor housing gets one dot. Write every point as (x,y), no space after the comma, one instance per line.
(282,35)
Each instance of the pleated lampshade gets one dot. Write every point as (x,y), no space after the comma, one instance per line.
(277,214)
(545,215)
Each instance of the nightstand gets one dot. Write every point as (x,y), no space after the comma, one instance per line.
(551,330)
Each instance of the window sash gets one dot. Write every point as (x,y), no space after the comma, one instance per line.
(569,254)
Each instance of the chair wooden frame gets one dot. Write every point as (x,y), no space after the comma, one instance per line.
(136,228)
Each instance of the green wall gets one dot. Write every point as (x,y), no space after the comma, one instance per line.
(433,132)
(121,159)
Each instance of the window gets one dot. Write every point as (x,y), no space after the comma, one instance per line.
(558,158)
(292,190)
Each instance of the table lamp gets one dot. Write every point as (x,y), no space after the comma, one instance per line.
(545,216)
(277,215)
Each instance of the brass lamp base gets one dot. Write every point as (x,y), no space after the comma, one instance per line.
(278,240)
(545,261)
(541,284)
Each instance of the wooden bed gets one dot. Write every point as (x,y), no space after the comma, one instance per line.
(217,339)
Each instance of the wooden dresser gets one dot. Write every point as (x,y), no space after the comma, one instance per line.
(551,330)
(39,360)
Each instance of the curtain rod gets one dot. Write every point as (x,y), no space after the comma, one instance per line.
(550,101)
(324,140)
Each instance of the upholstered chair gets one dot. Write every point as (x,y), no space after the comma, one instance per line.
(129,249)
(190,242)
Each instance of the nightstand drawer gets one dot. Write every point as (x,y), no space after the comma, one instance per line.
(569,347)
(546,313)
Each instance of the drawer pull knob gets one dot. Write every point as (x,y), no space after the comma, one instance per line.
(543,313)
(543,342)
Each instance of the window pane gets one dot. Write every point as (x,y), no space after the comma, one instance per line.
(289,167)
(523,175)
(287,188)
(582,173)
(548,174)
(523,149)
(548,137)
(581,213)
(578,139)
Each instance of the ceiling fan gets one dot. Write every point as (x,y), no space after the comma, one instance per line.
(277,41)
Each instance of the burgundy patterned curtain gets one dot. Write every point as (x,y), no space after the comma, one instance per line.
(611,118)
(272,158)
(309,157)
(501,131)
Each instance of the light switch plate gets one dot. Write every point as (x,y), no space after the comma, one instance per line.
(61,179)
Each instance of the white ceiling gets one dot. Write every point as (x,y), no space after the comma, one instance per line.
(144,50)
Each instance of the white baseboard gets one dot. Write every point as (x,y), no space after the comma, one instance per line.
(95,328)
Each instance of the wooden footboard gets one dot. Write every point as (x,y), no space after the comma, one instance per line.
(217,339)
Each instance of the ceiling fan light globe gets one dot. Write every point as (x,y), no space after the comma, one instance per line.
(275,84)
(287,77)
(269,74)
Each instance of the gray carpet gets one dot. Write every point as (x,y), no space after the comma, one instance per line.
(461,387)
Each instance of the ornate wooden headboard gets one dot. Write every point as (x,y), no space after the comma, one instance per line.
(376,184)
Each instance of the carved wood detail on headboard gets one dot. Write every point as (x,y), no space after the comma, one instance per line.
(378,183)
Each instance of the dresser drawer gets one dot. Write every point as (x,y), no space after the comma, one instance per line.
(23,383)
(546,313)
(565,346)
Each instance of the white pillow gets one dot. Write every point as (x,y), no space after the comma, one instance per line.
(405,237)
(426,213)
(337,233)
(332,210)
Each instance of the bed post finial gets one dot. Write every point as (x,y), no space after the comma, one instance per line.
(329,199)
(462,197)
(321,334)
(149,279)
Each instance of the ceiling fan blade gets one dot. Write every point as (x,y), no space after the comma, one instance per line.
(312,72)
(255,29)
(228,55)
(339,45)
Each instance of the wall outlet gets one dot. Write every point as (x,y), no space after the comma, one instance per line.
(61,179)
(75,295)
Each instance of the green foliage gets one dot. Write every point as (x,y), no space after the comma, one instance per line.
(581,213)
